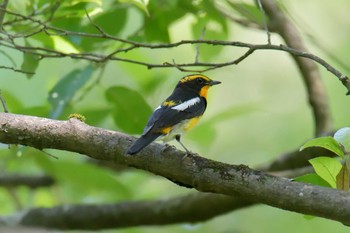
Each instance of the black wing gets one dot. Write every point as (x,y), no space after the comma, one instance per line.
(166,116)
(186,107)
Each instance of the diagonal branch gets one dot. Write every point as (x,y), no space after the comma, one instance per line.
(311,75)
(202,174)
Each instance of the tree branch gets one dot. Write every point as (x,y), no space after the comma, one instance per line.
(311,76)
(296,49)
(194,171)
(33,182)
(190,208)
(3,7)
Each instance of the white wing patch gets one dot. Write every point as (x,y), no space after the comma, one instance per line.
(185,105)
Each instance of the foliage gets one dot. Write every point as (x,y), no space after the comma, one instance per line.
(108,93)
(330,170)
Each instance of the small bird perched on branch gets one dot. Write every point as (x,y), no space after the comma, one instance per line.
(178,113)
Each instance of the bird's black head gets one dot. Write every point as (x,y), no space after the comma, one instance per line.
(198,83)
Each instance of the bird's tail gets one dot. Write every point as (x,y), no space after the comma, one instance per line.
(141,143)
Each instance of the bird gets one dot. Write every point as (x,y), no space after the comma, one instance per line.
(180,112)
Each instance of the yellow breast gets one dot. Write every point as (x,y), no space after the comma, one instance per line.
(181,128)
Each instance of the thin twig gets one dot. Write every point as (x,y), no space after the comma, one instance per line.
(9,58)
(16,70)
(3,6)
(264,22)
(198,45)
(51,53)
(3,103)
(95,25)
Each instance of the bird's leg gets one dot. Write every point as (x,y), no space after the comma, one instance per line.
(178,138)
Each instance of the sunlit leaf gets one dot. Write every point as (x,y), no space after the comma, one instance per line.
(327,168)
(63,92)
(44,39)
(63,45)
(130,110)
(141,4)
(312,179)
(328,143)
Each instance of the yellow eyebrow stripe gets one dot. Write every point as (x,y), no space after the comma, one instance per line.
(194,76)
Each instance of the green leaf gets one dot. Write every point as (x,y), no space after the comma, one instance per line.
(130,110)
(111,22)
(83,178)
(89,177)
(212,31)
(162,15)
(328,143)
(30,62)
(327,168)
(64,46)
(312,179)
(63,92)
(95,116)
(343,178)
(250,12)
(141,4)
(39,111)
(12,102)
(343,137)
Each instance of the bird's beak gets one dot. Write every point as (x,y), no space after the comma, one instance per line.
(213,82)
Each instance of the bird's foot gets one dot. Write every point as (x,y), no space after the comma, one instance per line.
(167,147)
(189,154)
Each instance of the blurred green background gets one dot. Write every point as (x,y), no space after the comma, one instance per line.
(258,112)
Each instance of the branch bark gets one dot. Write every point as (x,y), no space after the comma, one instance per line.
(33,182)
(190,208)
(202,174)
(311,75)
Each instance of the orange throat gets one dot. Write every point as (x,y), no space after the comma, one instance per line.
(204,91)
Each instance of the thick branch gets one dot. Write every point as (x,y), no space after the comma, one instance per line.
(311,75)
(203,174)
(28,181)
(190,208)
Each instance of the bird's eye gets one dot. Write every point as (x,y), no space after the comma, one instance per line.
(200,81)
